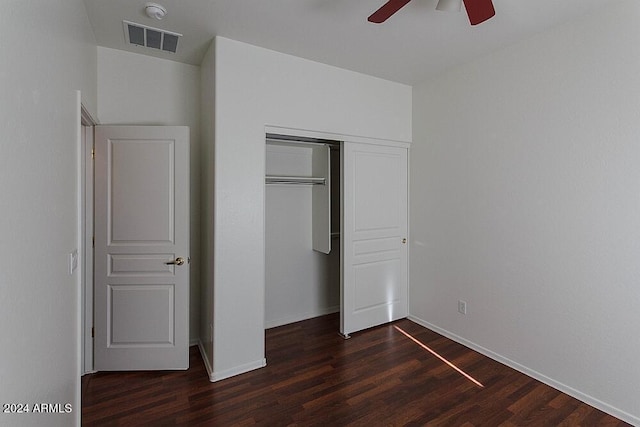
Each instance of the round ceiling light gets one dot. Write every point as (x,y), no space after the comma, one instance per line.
(155,11)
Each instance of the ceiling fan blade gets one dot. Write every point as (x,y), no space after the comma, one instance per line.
(387,9)
(479,10)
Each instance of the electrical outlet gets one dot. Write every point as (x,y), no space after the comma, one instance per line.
(462,307)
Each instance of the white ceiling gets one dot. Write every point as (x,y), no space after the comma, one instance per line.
(416,43)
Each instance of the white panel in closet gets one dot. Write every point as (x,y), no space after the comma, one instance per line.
(321,204)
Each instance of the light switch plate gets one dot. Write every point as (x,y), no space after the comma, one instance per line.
(73,262)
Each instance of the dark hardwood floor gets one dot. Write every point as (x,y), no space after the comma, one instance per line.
(379,377)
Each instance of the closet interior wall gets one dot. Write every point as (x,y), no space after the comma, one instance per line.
(300,283)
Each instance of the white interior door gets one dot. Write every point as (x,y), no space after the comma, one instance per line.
(374,280)
(141,248)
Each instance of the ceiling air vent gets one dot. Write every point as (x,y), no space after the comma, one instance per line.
(155,38)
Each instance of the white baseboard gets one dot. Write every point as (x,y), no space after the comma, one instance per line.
(590,400)
(205,359)
(237,370)
(228,373)
(298,317)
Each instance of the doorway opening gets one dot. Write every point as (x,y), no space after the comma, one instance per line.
(302,228)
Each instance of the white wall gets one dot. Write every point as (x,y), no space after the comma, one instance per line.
(255,87)
(525,202)
(136,89)
(48,53)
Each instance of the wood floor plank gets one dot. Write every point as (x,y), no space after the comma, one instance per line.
(316,378)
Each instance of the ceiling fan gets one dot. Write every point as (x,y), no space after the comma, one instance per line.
(478,10)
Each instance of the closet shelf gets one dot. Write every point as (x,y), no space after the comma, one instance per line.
(296,180)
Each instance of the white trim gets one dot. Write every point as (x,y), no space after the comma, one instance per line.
(85,272)
(205,360)
(409,235)
(299,317)
(85,117)
(86,247)
(335,136)
(79,281)
(590,400)
(237,370)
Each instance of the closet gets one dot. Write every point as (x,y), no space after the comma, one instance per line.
(302,223)
(336,230)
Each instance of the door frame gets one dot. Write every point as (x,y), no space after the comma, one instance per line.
(87,123)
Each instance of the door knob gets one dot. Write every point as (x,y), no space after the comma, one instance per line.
(404,240)
(177,261)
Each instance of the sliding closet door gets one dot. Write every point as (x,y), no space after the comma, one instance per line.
(374,282)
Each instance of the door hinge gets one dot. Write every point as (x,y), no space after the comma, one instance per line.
(92,332)
(93,153)
(93,241)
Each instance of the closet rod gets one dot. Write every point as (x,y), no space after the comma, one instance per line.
(296,180)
